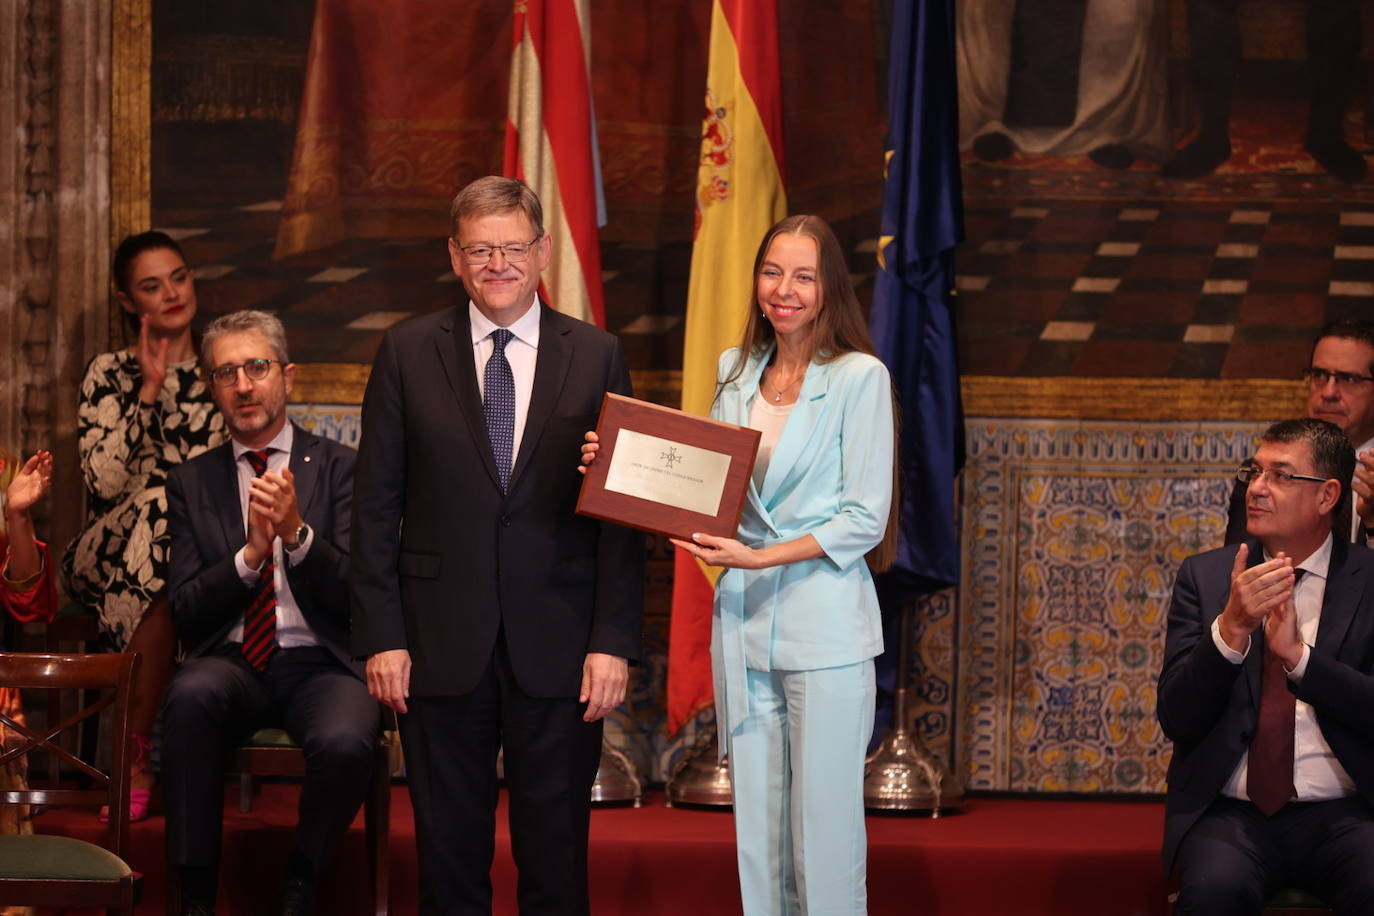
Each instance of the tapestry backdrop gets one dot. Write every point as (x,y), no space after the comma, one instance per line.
(305,152)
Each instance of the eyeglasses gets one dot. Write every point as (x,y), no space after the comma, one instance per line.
(1317,377)
(481,254)
(1248,473)
(255,369)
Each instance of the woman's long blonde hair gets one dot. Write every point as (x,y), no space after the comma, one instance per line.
(840,327)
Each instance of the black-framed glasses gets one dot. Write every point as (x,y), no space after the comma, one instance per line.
(255,369)
(477,255)
(1248,473)
(1317,377)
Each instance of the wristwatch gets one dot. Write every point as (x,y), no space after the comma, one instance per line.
(302,533)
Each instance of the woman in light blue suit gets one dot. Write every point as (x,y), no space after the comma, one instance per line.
(796,617)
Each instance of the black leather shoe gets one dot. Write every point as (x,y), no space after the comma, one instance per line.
(297,898)
(1112,156)
(1338,158)
(1201,157)
(993,147)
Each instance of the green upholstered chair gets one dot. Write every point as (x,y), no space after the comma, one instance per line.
(1287,901)
(1291,900)
(59,871)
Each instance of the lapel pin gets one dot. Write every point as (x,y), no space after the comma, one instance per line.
(307,457)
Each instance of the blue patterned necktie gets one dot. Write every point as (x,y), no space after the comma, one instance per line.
(498,403)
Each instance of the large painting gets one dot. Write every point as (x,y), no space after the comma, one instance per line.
(305,152)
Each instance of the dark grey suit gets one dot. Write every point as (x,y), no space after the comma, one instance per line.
(1208,706)
(497,596)
(315,692)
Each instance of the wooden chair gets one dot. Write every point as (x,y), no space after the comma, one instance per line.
(271,752)
(73,629)
(61,871)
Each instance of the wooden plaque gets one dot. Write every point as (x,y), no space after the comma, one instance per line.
(666,471)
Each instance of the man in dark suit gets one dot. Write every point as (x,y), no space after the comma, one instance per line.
(491,615)
(260,531)
(1340,390)
(1266,692)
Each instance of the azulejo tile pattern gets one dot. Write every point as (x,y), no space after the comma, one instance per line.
(1073,533)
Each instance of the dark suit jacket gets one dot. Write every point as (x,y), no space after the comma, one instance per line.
(207,528)
(442,558)
(1208,707)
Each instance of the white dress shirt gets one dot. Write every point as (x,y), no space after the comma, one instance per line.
(521,353)
(1317,774)
(292,629)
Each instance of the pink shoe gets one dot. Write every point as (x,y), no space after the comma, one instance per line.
(139,799)
(139,802)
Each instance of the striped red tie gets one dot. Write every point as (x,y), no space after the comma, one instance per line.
(260,620)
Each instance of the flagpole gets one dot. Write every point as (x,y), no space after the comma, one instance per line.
(902,774)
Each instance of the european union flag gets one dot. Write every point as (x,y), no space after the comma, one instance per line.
(912,319)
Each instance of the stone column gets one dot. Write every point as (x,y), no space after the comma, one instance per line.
(54,229)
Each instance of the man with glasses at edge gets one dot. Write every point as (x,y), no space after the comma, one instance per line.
(1267,681)
(1340,390)
(260,539)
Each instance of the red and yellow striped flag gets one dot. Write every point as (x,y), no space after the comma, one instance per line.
(739,196)
(551,145)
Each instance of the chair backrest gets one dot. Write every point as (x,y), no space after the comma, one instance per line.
(111,676)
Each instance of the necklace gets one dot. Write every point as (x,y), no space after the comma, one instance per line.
(779,392)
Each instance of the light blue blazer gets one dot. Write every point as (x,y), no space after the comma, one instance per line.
(830,476)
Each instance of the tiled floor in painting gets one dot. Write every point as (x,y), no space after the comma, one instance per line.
(1070,271)
(1163,287)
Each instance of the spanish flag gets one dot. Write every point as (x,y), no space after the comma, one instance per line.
(739,196)
(551,144)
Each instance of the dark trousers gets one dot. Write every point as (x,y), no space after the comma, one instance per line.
(1333,49)
(551,757)
(1234,856)
(216,701)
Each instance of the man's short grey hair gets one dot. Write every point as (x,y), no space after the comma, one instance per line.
(265,323)
(495,194)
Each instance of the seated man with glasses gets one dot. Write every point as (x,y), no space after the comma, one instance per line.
(1266,691)
(260,540)
(1340,390)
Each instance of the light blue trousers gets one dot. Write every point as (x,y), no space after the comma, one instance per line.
(797,763)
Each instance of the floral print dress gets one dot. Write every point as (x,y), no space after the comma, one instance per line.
(118,564)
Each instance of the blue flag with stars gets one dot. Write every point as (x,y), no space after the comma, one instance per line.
(912,319)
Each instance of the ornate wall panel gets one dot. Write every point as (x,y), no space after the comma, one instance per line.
(54,223)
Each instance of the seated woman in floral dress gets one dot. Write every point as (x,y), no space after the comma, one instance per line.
(143,409)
